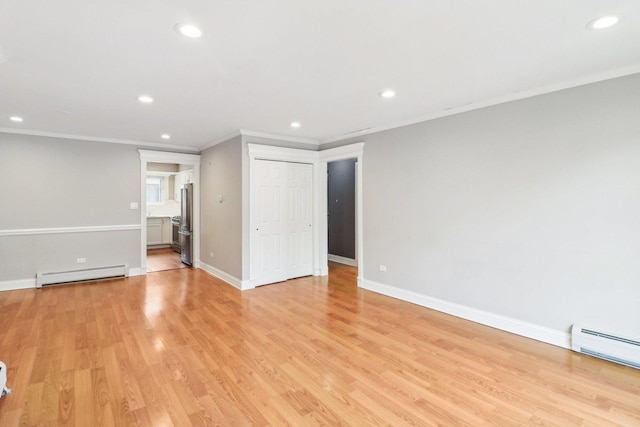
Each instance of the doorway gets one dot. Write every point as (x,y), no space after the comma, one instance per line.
(341,211)
(162,217)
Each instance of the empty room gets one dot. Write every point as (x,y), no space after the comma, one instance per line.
(320,213)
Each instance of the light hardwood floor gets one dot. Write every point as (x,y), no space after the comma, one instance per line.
(182,348)
(163,259)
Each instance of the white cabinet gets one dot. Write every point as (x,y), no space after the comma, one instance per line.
(181,178)
(167,231)
(154,231)
(159,231)
(178,182)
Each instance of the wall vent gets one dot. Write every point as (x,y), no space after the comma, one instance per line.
(606,345)
(57,278)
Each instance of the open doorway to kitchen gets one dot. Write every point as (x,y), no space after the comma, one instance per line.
(169,238)
(164,184)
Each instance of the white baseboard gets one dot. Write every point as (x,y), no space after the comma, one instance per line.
(342,260)
(13,285)
(137,272)
(247,284)
(322,271)
(515,326)
(232,280)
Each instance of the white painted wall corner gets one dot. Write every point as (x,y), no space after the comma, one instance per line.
(226,277)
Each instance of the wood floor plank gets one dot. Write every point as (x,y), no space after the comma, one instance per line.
(179,347)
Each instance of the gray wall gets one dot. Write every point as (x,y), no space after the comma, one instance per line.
(221,223)
(529,209)
(52,183)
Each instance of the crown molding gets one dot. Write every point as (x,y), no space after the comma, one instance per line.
(98,139)
(309,141)
(567,84)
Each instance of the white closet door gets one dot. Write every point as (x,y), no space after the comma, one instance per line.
(299,225)
(269,227)
(281,212)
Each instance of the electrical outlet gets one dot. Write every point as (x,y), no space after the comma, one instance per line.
(383,268)
(211,254)
(81,260)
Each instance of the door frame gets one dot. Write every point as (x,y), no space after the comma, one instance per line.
(351,151)
(318,160)
(148,156)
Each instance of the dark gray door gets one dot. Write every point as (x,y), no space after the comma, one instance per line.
(341,190)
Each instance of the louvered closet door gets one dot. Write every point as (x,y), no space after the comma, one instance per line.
(281,210)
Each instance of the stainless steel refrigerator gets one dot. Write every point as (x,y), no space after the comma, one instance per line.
(186,224)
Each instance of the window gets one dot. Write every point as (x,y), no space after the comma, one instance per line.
(154,189)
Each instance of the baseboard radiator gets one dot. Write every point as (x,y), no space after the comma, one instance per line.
(606,345)
(58,278)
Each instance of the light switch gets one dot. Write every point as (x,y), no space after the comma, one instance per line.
(133,206)
(220,198)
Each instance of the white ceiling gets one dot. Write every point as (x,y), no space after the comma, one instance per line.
(76,67)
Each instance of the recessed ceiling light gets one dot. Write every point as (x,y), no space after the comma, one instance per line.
(603,22)
(189,30)
(295,124)
(145,99)
(387,94)
(165,136)
(16,119)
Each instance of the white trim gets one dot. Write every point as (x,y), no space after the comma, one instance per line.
(66,230)
(350,151)
(147,156)
(136,272)
(169,157)
(14,285)
(515,326)
(270,152)
(98,139)
(355,150)
(343,260)
(309,141)
(226,277)
(321,271)
(568,84)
